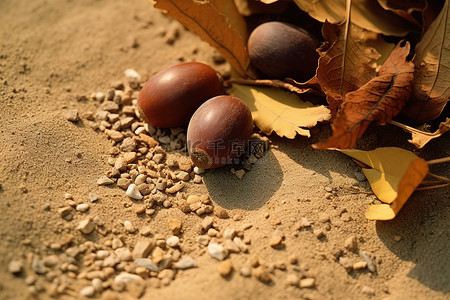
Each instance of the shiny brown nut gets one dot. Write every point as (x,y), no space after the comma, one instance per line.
(219,131)
(172,95)
(281,50)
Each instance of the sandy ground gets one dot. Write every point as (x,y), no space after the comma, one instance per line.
(54,51)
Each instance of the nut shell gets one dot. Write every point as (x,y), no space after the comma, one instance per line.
(171,96)
(281,50)
(219,131)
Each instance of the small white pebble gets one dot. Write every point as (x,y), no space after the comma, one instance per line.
(198,170)
(129,226)
(88,291)
(133,192)
(173,241)
(83,207)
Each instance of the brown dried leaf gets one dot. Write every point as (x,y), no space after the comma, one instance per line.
(404,8)
(378,100)
(367,14)
(349,62)
(432,77)
(216,22)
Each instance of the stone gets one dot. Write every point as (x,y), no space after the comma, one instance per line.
(15,267)
(174,226)
(304,222)
(368,291)
(346,262)
(128,145)
(217,251)
(129,226)
(359,265)
(88,291)
(133,192)
(292,279)
(124,254)
(143,248)
(198,170)
(38,265)
(82,207)
(173,241)
(114,135)
(240,173)
(158,255)
(109,106)
(207,223)
(262,274)
(176,187)
(129,157)
(102,181)
(97,283)
(102,254)
(51,261)
(318,233)
(116,243)
(231,246)
(184,176)
(203,239)
(221,213)
(225,268)
(151,142)
(245,271)
(72,115)
(229,233)
(126,278)
(145,231)
(307,282)
(240,244)
(64,211)
(86,226)
(370,264)
(186,262)
(276,241)
(147,263)
(350,244)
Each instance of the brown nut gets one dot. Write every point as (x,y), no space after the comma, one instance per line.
(172,95)
(281,50)
(219,131)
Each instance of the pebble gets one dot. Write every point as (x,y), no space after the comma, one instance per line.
(207,223)
(93,197)
(246,271)
(225,268)
(158,255)
(229,233)
(64,211)
(262,274)
(240,173)
(104,181)
(116,243)
(307,282)
(123,254)
(240,244)
(350,244)
(129,157)
(198,170)
(88,291)
(124,183)
(318,233)
(368,291)
(304,222)
(346,262)
(109,106)
(176,187)
(38,266)
(147,263)
(129,226)
(174,226)
(203,239)
(115,135)
(83,207)
(15,267)
(221,212)
(125,278)
(143,247)
(186,263)
(133,192)
(370,265)
(359,265)
(86,226)
(102,254)
(217,251)
(292,279)
(97,283)
(231,246)
(276,241)
(72,115)
(324,217)
(145,231)
(173,241)
(51,261)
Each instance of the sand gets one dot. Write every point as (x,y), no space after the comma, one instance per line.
(53,52)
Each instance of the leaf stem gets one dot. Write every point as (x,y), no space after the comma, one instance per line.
(433,187)
(409,128)
(270,82)
(440,178)
(438,160)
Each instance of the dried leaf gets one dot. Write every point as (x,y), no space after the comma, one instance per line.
(432,77)
(349,62)
(378,100)
(280,111)
(421,138)
(367,14)
(216,22)
(394,175)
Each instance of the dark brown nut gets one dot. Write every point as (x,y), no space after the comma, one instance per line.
(172,95)
(281,50)
(219,131)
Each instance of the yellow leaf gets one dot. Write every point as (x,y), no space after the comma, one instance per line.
(280,111)
(394,176)
(216,22)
